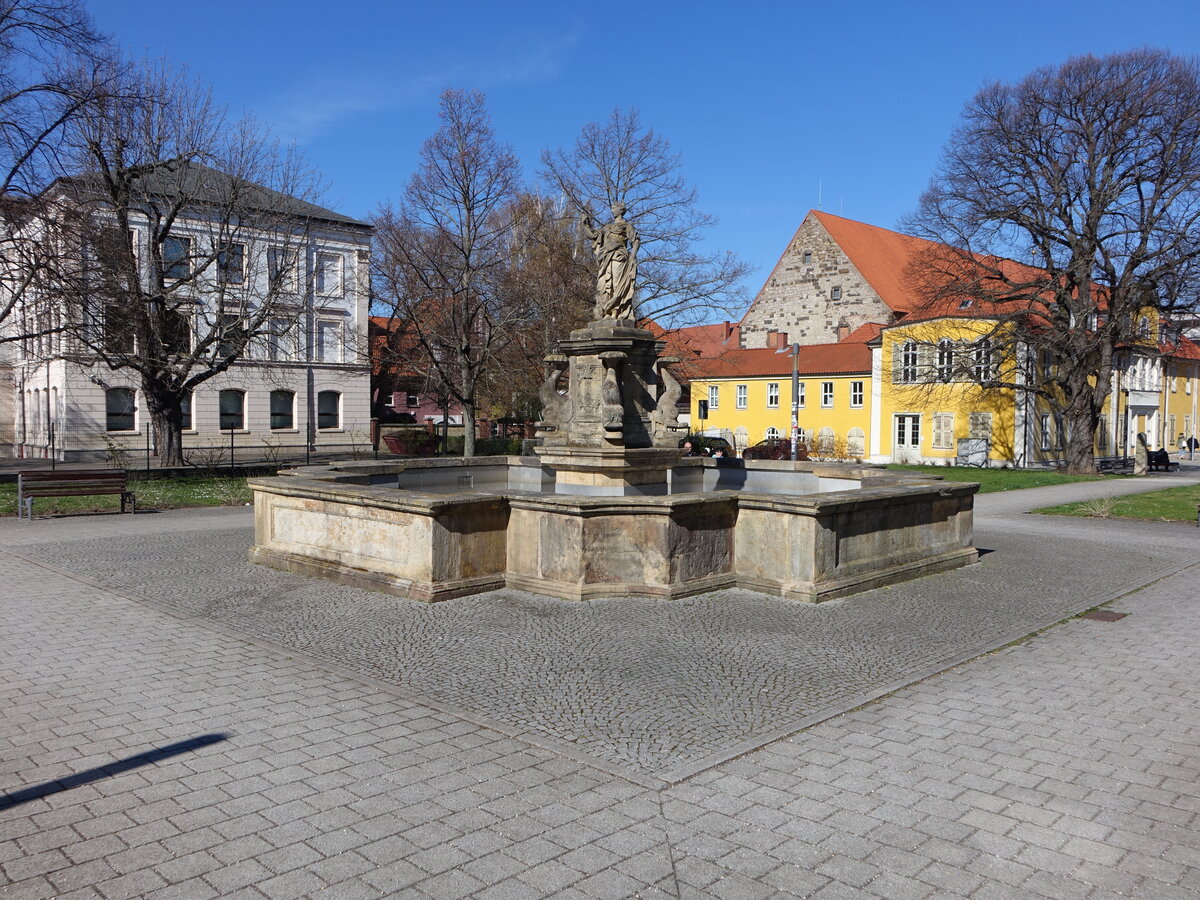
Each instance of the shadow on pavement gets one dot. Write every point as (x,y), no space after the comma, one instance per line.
(37,791)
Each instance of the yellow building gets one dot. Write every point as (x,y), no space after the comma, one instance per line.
(934,389)
(745,396)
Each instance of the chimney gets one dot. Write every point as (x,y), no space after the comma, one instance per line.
(777,339)
(843,330)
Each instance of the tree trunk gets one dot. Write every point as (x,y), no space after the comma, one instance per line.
(468,409)
(166,418)
(1080,441)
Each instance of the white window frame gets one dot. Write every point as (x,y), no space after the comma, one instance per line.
(283,344)
(742,397)
(233,428)
(133,429)
(322,283)
(909,360)
(772,395)
(340,398)
(826,395)
(945,360)
(800,398)
(856,394)
(339,341)
(714,397)
(271,410)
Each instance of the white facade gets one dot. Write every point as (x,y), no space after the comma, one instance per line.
(307,386)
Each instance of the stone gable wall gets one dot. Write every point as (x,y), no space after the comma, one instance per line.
(797,297)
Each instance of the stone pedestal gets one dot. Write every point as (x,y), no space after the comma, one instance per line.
(608,471)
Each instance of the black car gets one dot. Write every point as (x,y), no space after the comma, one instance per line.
(703,445)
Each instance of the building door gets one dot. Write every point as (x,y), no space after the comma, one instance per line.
(907,446)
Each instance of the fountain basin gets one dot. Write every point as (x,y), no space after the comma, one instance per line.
(436,529)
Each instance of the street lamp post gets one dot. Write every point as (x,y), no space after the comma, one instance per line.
(795,401)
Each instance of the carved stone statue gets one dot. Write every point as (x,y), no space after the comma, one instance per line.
(615,246)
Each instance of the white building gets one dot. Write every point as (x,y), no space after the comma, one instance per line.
(304,381)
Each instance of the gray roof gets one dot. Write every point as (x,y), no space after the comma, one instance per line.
(207,185)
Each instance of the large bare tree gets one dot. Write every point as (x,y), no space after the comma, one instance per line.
(1066,206)
(188,232)
(52,65)
(620,160)
(444,251)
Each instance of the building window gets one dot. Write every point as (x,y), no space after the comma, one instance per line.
(176,252)
(119,410)
(826,442)
(713,396)
(283,339)
(943,431)
(1047,365)
(826,394)
(1102,433)
(800,395)
(856,394)
(329,410)
(908,362)
(807,257)
(185,412)
(1045,431)
(329,274)
(177,331)
(984,363)
(329,342)
(283,410)
(856,443)
(835,293)
(945,360)
(1143,330)
(232,335)
(233,410)
(772,395)
(413,399)
(118,330)
(281,270)
(742,400)
(773,434)
(981,426)
(231,264)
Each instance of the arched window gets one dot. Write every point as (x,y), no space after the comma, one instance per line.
(908,362)
(945,360)
(856,443)
(283,410)
(1144,327)
(985,369)
(825,442)
(329,410)
(773,434)
(233,410)
(119,410)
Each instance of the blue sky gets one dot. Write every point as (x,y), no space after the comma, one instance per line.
(774,106)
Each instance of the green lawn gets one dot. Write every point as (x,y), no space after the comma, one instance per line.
(1169,505)
(1000,479)
(152,493)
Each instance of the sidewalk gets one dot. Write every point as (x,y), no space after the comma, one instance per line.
(322,741)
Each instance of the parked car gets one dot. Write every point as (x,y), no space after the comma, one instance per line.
(703,442)
(774,448)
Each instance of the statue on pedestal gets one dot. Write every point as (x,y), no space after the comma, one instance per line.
(615,246)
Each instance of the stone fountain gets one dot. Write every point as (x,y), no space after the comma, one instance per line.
(608,507)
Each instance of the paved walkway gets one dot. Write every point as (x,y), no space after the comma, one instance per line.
(179,723)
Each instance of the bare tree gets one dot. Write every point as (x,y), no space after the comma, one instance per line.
(620,160)
(50,65)
(1067,209)
(187,232)
(444,251)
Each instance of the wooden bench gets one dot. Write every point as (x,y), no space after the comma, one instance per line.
(74,483)
(1115,465)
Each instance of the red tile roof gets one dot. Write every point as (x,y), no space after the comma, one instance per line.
(863,334)
(815,359)
(1184,348)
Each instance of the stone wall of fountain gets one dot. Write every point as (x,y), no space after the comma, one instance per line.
(608,507)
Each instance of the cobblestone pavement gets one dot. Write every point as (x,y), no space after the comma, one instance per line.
(1061,766)
(658,690)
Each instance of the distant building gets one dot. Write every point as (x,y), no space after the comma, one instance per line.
(307,383)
